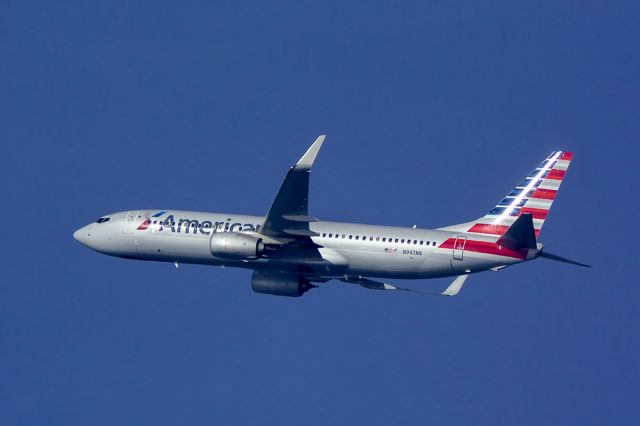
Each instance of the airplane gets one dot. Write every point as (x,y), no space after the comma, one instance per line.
(291,252)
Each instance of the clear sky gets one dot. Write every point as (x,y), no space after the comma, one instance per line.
(433,110)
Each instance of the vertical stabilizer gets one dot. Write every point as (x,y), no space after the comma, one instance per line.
(533,196)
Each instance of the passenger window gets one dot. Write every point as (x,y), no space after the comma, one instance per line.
(324,234)
(396,240)
(384,240)
(350,236)
(330,235)
(415,241)
(434,243)
(357,237)
(402,240)
(337,235)
(421,241)
(377,238)
(343,236)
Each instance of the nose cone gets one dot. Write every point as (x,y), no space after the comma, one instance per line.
(105,235)
(82,236)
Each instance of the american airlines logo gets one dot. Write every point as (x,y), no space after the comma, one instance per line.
(206,227)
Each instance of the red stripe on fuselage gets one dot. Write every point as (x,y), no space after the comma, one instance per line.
(486,247)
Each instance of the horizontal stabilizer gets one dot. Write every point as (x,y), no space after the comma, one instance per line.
(562,259)
(520,234)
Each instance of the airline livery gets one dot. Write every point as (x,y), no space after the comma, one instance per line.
(290,252)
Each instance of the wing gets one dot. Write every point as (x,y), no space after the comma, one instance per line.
(289,214)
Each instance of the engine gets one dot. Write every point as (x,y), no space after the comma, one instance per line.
(280,284)
(234,245)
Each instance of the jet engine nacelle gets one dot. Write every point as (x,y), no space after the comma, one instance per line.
(279,284)
(235,245)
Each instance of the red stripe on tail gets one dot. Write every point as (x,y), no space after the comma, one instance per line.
(567,156)
(556,174)
(484,228)
(536,213)
(545,194)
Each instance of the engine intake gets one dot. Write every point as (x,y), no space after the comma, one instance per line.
(235,245)
(280,284)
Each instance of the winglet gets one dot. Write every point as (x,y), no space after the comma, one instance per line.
(455,286)
(288,216)
(309,157)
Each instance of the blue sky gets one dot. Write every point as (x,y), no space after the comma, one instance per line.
(433,110)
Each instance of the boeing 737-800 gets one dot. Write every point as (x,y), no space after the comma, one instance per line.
(291,252)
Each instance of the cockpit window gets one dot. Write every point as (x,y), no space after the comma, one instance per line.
(103,220)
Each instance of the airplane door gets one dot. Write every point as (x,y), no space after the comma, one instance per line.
(458,248)
(131,222)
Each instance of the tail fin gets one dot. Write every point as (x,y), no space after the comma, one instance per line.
(534,195)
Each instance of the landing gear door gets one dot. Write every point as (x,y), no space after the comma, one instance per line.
(131,222)
(458,248)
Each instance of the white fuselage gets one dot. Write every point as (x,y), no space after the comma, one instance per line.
(343,248)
